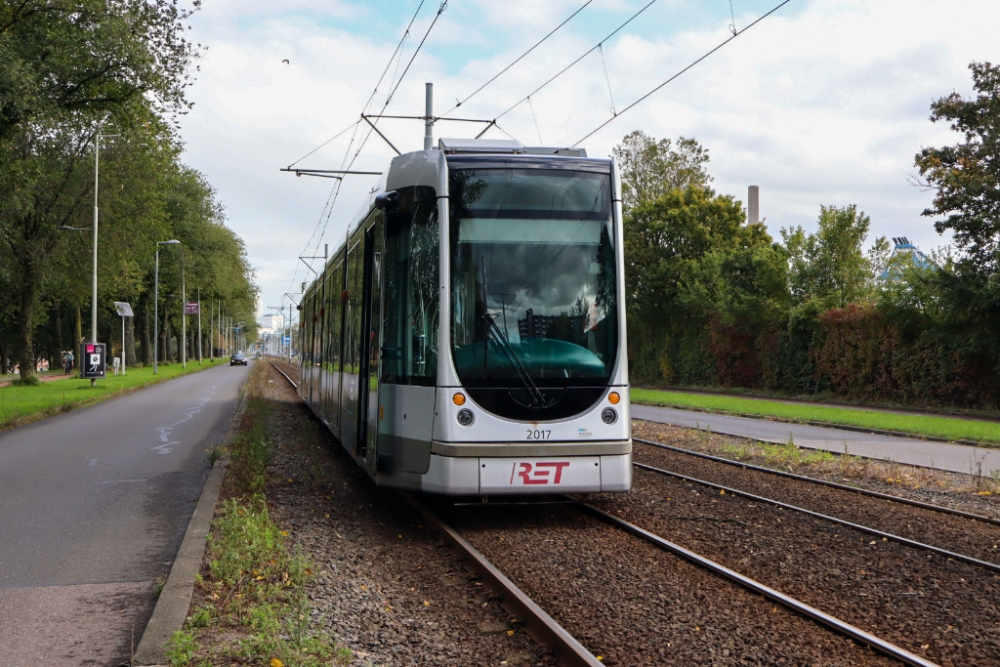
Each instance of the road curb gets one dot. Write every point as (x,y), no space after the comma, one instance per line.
(174,602)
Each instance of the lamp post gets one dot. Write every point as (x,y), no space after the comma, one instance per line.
(93,300)
(184,318)
(156,302)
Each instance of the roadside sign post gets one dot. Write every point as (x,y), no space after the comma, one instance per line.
(93,361)
(124,310)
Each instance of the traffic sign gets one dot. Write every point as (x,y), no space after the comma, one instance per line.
(191,308)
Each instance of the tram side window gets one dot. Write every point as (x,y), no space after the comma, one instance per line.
(411,291)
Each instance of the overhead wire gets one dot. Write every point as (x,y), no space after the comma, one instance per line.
(331,200)
(336,194)
(568,67)
(517,60)
(672,78)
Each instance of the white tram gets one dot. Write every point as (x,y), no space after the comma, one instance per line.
(469,336)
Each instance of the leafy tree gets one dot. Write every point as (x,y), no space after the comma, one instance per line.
(90,57)
(967,176)
(830,265)
(650,168)
(69,66)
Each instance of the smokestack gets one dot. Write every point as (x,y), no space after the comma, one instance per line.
(753,204)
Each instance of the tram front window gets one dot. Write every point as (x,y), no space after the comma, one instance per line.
(533,285)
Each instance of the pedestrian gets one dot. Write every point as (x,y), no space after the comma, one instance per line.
(69,361)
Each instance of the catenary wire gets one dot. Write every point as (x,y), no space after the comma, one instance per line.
(399,46)
(703,57)
(329,210)
(516,60)
(335,189)
(587,53)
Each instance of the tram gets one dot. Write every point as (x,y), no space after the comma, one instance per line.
(468,336)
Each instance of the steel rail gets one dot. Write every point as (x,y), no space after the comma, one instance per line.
(823,618)
(537,623)
(835,485)
(283,373)
(840,522)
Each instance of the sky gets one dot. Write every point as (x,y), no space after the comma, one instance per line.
(824,102)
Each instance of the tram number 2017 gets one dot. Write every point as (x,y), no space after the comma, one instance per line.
(539,434)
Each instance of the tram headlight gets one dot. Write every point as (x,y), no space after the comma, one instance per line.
(465,417)
(609,416)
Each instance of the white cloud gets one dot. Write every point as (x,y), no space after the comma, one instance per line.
(825,102)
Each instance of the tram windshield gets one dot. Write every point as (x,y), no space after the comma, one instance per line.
(533,278)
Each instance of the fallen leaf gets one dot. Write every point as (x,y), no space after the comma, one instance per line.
(276,663)
(510,633)
(427,603)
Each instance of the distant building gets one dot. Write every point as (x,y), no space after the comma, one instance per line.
(904,251)
(271,323)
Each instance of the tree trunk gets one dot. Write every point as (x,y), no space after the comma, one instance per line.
(26,322)
(60,343)
(129,353)
(147,348)
(79,332)
(166,339)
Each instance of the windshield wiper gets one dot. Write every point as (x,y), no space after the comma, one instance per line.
(536,398)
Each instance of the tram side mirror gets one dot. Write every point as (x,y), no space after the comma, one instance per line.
(387,200)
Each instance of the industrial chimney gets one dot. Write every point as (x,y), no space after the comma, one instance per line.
(753,204)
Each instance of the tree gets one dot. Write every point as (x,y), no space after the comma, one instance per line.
(830,266)
(650,168)
(967,176)
(71,66)
(90,58)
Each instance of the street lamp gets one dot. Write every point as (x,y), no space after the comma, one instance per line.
(93,303)
(291,302)
(156,301)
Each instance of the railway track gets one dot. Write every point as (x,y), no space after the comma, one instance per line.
(279,365)
(822,482)
(630,607)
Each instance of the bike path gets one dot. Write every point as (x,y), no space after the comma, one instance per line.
(911,451)
(95,503)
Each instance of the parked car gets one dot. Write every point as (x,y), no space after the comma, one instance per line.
(238,358)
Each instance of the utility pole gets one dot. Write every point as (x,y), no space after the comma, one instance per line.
(199,326)
(184,318)
(93,298)
(428,116)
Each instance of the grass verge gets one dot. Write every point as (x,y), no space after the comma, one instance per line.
(253,608)
(21,405)
(948,428)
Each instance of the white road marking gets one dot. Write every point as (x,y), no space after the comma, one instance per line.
(122,481)
(92,462)
(166,444)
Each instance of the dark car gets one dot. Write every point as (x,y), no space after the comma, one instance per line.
(238,358)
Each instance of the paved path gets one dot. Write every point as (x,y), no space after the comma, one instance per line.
(912,451)
(94,505)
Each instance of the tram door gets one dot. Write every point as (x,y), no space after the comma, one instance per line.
(371,344)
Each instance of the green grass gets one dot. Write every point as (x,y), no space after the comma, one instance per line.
(256,610)
(949,428)
(20,405)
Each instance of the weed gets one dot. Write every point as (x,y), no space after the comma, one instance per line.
(213,454)
(158,585)
(182,648)
(30,381)
(201,618)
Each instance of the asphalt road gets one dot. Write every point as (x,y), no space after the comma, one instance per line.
(94,504)
(911,451)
